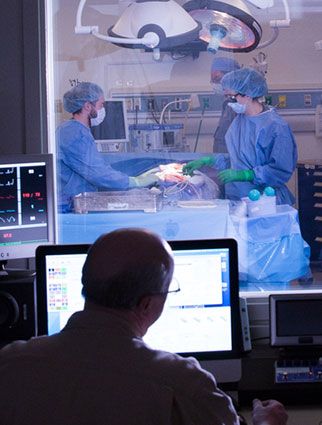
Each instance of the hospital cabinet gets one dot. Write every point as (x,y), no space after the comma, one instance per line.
(310,205)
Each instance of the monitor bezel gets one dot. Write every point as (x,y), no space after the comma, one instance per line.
(28,250)
(125,122)
(42,252)
(231,244)
(277,340)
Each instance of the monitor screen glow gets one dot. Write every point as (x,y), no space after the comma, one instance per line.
(197,318)
(27,214)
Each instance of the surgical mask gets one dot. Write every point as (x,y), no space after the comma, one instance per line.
(99,117)
(237,107)
(217,88)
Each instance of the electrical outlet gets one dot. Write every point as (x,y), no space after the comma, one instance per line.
(151,105)
(137,104)
(129,103)
(282,101)
(205,102)
(177,105)
(307,100)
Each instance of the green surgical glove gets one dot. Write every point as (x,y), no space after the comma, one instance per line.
(143,180)
(191,166)
(227,176)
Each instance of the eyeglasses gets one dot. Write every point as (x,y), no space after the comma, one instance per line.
(234,96)
(174,288)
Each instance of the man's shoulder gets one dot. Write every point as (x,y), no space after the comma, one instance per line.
(20,352)
(174,368)
(21,346)
(71,126)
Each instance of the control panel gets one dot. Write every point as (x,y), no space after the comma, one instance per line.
(157,138)
(298,370)
(287,100)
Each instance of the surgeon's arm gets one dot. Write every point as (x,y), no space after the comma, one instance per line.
(191,166)
(230,175)
(81,156)
(143,180)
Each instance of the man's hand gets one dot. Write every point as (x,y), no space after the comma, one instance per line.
(230,175)
(143,180)
(191,166)
(268,412)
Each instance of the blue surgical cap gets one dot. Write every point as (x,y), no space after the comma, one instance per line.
(224,64)
(75,98)
(246,81)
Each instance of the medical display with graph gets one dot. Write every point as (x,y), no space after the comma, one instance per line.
(26,204)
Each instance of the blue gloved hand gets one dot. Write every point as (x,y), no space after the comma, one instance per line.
(143,180)
(191,166)
(229,175)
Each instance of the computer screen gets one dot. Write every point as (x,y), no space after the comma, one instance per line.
(295,319)
(201,314)
(113,133)
(27,214)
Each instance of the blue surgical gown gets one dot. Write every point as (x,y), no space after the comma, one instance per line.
(265,144)
(80,167)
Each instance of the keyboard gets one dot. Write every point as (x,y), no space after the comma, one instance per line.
(290,371)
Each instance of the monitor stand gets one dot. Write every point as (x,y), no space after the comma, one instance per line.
(14,274)
(224,370)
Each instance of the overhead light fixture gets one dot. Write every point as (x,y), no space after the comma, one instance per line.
(226,25)
(156,24)
(229,25)
(275,24)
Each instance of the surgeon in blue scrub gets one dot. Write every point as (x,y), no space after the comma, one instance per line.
(81,168)
(221,66)
(261,146)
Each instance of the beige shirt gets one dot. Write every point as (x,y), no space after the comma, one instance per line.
(96,372)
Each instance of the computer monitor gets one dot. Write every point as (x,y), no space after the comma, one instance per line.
(201,319)
(295,320)
(27,214)
(112,135)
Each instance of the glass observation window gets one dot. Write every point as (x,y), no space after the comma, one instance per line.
(238,157)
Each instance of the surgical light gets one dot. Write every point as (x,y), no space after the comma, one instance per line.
(217,33)
(229,25)
(226,25)
(156,24)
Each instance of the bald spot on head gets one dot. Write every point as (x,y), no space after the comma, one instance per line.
(124,265)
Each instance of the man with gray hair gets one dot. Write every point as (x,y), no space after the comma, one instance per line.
(98,370)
